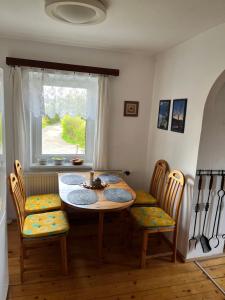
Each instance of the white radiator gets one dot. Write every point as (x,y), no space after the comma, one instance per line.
(41,183)
(46,182)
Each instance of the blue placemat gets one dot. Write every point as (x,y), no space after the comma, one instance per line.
(72,179)
(109,178)
(82,197)
(118,195)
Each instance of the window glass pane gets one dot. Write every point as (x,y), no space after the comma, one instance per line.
(63,133)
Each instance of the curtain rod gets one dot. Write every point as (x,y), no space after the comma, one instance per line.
(12,61)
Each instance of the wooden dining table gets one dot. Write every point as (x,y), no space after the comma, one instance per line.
(116,196)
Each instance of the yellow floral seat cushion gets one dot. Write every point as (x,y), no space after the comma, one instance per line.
(151,217)
(45,224)
(143,198)
(40,203)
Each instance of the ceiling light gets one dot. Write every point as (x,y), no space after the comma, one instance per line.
(76,11)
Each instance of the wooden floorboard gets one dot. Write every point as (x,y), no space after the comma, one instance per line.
(216,269)
(117,278)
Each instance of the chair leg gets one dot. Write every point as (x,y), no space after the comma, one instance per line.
(144,248)
(121,226)
(174,256)
(63,244)
(63,207)
(25,252)
(21,261)
(130,233)
(124,225)
(159,241)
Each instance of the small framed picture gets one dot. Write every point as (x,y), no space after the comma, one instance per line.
(131,108)
(179,115)
(164,113)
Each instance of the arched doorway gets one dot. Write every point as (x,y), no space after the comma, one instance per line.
(211,156)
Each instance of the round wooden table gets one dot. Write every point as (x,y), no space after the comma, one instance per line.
(102,205)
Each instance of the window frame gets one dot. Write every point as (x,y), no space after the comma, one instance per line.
(36,141)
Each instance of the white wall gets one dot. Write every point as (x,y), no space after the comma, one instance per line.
(185,71)
(127,136)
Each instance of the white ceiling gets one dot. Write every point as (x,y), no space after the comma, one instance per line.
(131,25)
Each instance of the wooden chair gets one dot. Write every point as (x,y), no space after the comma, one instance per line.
(36,203)
(153,220)
(38,228)
(156,186)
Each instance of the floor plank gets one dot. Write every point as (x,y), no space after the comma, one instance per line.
(118,278)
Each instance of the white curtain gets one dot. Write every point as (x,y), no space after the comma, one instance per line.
(2,129)
(59,93)
(100,156)
(30,101)
(20,122)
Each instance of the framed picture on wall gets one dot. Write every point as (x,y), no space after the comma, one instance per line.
(131,108)
(164,113)
(179,115)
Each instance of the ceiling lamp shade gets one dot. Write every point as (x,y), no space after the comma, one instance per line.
(76,11)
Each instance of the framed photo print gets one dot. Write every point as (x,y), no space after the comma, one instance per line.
(164,113)
(179,115)
(131,108)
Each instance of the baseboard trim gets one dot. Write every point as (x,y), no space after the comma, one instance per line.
(201,258)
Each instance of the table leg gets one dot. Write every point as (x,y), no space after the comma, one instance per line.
(100,236)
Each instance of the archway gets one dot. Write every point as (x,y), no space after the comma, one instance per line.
(211,156)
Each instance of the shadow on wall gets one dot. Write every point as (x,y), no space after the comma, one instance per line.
(184,219)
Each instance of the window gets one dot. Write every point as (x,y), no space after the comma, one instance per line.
(65,134)
(63,114)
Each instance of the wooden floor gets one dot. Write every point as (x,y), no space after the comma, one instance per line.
(119,278)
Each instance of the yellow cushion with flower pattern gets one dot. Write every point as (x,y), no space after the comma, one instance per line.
(151,217)
(45,202)
(143,198)
(45,224)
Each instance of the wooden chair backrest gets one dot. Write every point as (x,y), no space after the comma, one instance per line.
(20,176)
(173,193)
(158,178)
(17,199)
